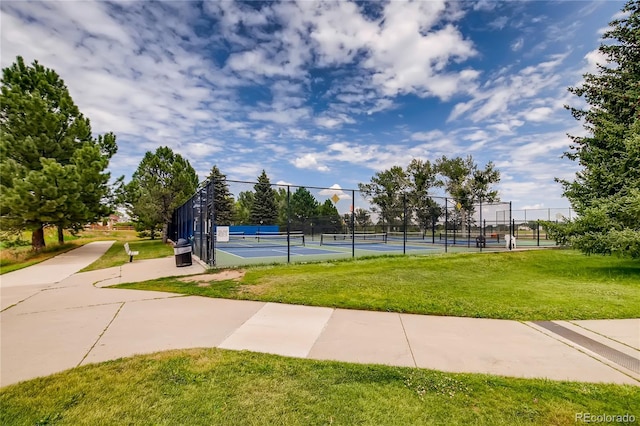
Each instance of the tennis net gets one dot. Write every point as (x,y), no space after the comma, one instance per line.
(411,236)
(337,239)
(261,241)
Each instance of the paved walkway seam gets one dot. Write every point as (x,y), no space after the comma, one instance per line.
(585,351)
(601,349)
(101,334)
(602,335)
(413,358)
(119,276)
(20,301)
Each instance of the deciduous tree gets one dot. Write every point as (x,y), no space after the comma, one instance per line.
(385,191)
(362,218)
(243,206)
(467,184)
(162,182)
(423,178)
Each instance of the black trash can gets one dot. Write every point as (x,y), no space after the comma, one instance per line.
(182,251)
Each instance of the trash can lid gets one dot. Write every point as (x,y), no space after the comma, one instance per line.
(182,243)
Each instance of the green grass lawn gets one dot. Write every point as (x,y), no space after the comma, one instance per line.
(116,256)
(213,386)
(531,285)
(14,258)
(21,256)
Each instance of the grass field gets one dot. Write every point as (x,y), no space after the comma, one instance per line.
(116,256)
(18,257)
(212,386)
(533,285)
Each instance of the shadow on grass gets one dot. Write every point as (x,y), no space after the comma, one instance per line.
(628,269)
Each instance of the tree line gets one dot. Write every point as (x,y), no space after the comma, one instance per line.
(267,205)
(53,172)
(392,194)
(396,191)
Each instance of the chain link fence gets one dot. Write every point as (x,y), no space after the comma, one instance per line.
(234,223)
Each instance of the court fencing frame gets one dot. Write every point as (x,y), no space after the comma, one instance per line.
(473,228)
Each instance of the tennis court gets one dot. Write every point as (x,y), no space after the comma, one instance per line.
(373,242)
(253,252)
(277,247)
(349,225)
(269,248)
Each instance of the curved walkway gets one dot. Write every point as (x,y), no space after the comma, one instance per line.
(54,318)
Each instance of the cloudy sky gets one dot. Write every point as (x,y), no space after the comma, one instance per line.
(324,93)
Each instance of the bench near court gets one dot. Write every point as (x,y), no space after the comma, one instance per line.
(130,253)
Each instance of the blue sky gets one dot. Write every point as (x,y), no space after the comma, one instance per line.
(325,93)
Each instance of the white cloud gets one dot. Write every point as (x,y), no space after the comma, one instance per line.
(593,59)
(306,84)
(538,114)
(499,23)
(332,122)
(335,189)
(310,161)
(533,206)
(498,96)
(427,136)
(199,149)
(517,44)
(285,116)
(478,135)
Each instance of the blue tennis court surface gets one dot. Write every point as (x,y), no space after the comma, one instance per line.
(249,252)
(393,247)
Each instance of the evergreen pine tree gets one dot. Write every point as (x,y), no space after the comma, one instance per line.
(606,191)
(223,200)
(52,170)
(264,210)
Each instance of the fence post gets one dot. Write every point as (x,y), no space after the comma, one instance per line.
(212,231)
(446,224)
(483,238)
(353,223)
(455,229)
(404,218)
(202,227)
(288,224)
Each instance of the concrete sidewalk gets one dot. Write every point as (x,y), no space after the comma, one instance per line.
(73,321)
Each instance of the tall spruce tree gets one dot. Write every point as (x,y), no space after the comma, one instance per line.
(264,209)
(613,98)
(329,220)
(304,207)
(606,191)
(222,198)
(52,170)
